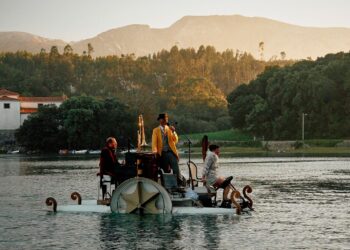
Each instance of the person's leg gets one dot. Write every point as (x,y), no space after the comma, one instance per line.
(174,164)
(219,181)
(164,162)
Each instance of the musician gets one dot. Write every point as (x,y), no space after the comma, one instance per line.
(164,140)
(108,158)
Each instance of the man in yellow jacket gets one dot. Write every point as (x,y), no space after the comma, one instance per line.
(164,140)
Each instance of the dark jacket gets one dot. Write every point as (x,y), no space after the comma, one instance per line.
(108,161)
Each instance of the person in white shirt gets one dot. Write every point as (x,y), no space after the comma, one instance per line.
(209,174)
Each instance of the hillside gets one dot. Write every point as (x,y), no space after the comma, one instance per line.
(223,32)
(14,41)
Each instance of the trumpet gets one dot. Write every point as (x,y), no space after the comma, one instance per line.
(141,137)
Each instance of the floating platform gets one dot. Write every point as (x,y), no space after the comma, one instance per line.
(91,206)
(141,195)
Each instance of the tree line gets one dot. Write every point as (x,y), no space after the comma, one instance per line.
(79,123)
(271,106)
(189,84)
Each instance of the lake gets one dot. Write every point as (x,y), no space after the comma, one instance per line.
(300,203)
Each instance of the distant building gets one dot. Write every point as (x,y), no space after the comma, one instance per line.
(14,109)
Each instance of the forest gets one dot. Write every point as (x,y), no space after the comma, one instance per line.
(203,90)
(272,105)
(191,85)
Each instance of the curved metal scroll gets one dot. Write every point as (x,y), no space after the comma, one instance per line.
(226,193)
(76,195)
(236,195)
(52,202)
(249,190)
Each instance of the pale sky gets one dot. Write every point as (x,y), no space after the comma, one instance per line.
(73,20)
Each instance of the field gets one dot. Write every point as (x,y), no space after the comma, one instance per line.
(224,135)
(236,143)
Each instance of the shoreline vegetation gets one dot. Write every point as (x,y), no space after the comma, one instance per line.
(234,143)
(260,152)
(227,151)
(270,105)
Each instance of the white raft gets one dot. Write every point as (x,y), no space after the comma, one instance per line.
(142,196)
(90,206)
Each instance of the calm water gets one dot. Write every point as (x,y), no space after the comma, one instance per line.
(301,203)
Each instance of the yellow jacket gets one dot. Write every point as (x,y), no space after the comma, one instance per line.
(157,142)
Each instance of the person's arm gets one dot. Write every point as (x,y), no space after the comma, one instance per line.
(206,168)
(102,161)
(154,141)
(173,135)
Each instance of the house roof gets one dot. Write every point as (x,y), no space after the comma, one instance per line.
(6,98)
(5,92)
(42,99)
(28,110)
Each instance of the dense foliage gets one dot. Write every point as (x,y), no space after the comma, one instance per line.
(189,84)
(79,123)
(272,105)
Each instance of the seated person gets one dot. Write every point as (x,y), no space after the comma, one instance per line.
(209,174)
(108,162)
(108,158)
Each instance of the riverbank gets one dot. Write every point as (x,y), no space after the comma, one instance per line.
(261,152)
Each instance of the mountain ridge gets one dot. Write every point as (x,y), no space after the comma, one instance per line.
(233,32)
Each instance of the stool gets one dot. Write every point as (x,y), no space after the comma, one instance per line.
(104,181)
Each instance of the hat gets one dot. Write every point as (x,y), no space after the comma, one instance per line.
(162,116)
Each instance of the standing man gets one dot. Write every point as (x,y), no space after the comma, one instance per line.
(164,140)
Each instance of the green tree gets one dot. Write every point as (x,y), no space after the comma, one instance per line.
(42,130)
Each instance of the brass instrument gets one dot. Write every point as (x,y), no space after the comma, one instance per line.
(141,137)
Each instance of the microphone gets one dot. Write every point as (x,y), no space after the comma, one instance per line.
(171,124)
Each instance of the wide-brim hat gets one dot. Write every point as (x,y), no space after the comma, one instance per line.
(161,116)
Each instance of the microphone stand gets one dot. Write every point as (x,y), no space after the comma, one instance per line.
(189,143)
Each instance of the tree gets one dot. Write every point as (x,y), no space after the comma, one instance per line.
(283,55)
(261,50)
(272,104)
(90,49)
(54,51)
(68,50)
(42,130)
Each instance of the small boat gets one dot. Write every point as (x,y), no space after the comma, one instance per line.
(94,152)
(141,187)
(13,152)
(80,152)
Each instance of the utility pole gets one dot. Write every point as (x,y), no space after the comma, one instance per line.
(302,126)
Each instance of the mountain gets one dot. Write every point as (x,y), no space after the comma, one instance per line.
(14,41)
(223,32)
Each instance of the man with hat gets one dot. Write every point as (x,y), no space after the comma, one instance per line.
(164,140)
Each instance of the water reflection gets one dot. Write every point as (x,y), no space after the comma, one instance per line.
(299,204)
(44,165)
(160,232)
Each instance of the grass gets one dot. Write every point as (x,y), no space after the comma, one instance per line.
(301,152)
(235,143)
(323,142)
(224,135)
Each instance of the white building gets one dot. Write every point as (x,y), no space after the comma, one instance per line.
(14,109)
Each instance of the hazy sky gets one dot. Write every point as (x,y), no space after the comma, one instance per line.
(73,20)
